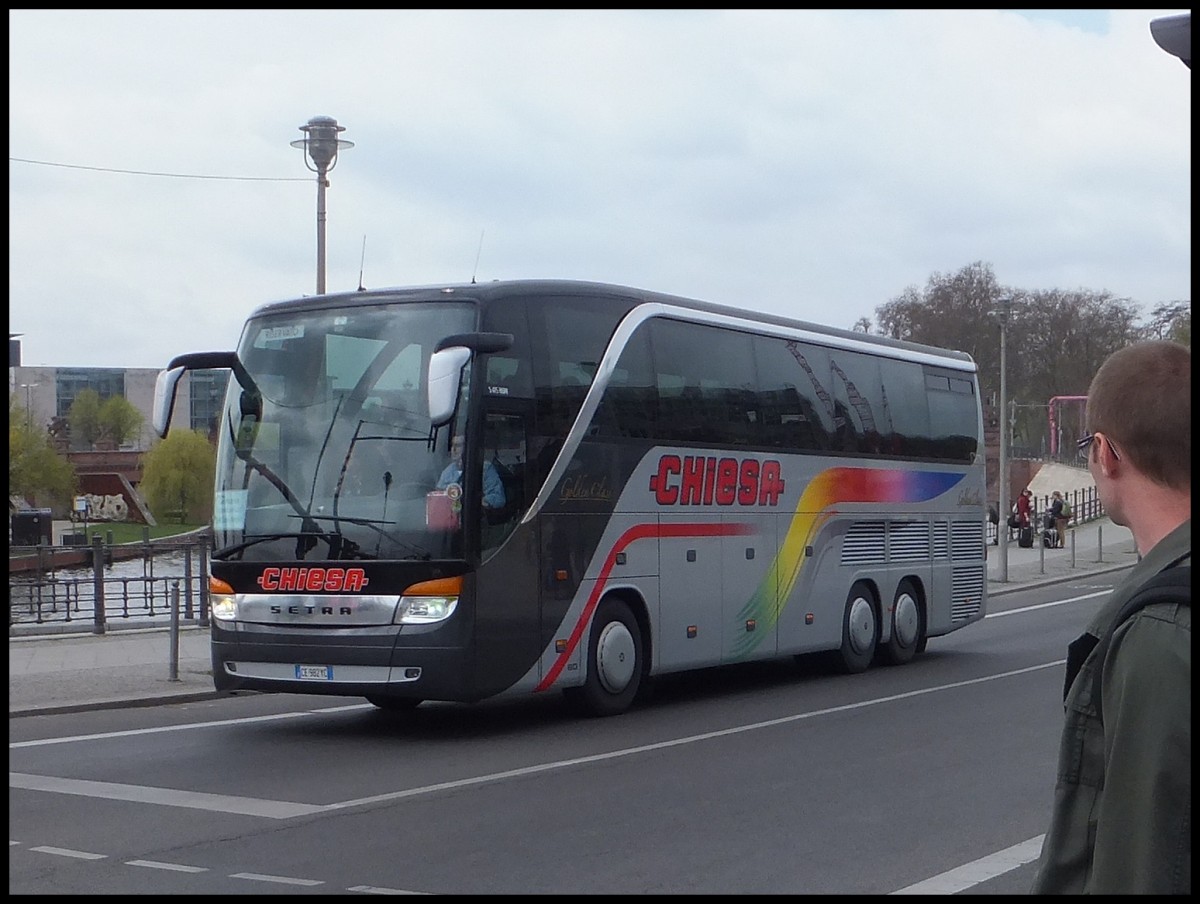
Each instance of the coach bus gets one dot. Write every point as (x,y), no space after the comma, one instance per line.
(681,485)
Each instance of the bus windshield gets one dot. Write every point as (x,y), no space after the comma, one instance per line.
(326,448)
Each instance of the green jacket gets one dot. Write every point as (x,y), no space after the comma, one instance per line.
(1122,820)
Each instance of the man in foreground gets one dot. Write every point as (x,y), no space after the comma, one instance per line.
(1122,805)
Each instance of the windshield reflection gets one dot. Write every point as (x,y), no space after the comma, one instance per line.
(326,449)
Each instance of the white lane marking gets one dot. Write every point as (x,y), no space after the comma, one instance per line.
(981,870)
(67,852)
(173,867)
(379,890)
(283,880)
(218,803)
(1023,609)
(146,731)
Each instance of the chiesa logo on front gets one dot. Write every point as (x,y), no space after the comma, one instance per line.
(314,580)
(708,480)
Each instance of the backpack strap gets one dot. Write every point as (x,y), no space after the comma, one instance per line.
(1171,585)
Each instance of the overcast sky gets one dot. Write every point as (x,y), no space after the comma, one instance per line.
(811,164)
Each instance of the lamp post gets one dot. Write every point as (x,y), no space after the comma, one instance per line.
(321,145)
(1002,526)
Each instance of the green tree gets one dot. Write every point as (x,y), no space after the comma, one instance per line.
(177,477)
(119,419)
(84,417)
(35,470)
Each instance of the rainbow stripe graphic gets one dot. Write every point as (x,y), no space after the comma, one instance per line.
(826,491)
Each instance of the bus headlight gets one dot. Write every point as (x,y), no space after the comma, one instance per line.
(428,602)
(222,601)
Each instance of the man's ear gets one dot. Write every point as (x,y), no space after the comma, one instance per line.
(1109,463)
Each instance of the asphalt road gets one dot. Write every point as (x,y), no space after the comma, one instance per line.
(775,778)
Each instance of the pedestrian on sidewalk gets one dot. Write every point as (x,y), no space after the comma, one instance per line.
(1024,507)
(1058,513)
(1121,822)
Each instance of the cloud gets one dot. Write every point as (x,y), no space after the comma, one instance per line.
(813,164)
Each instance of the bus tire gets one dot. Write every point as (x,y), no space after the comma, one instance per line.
(860,630)
(615,662)
(393,704)
(907,627)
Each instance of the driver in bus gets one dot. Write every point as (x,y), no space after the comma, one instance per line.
(493,487)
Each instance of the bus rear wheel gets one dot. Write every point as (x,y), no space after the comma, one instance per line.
(860,630)
(908,626)
(615,662)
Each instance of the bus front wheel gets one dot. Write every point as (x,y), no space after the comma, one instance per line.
(614,662)
(860,630)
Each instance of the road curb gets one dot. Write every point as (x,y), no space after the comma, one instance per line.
(133,703)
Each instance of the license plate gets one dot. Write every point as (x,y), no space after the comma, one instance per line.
(314,672)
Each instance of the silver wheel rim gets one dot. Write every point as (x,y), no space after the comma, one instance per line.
(862,625)
(907,622)
(616,657)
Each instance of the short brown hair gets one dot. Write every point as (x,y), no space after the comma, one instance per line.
(1141,397)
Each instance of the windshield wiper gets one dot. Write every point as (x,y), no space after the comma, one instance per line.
(372,524)
(227,551)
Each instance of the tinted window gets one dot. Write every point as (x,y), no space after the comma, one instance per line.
(629,408)
(706,384)
(905,423)
(793,395)
(699,384)
(857,400)
(953,416)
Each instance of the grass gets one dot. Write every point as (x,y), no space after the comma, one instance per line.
(131,532)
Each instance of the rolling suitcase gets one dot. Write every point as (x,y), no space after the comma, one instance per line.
(1049,532)
(1025,537)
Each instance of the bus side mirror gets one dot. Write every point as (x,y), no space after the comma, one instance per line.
(445,371)
(164,399)
(168,382)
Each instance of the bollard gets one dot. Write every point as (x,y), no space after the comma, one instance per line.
(1041,557)
(187,583)
(203,586)
(1072,549)
(98,582)
(1099,542)
(173,659)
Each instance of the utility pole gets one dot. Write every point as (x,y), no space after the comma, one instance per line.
(1002,525)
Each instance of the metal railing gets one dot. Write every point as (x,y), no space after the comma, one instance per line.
(103,584)
(1085,506)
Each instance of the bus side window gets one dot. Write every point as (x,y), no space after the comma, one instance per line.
(505,449)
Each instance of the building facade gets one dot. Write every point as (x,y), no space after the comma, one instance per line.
(46,393)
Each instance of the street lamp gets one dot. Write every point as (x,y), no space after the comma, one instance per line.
(1001,314)
(321,145)
(28,387)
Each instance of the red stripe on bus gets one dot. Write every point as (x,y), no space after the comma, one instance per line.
(640,532)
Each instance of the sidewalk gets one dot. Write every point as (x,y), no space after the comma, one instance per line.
(50,673)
